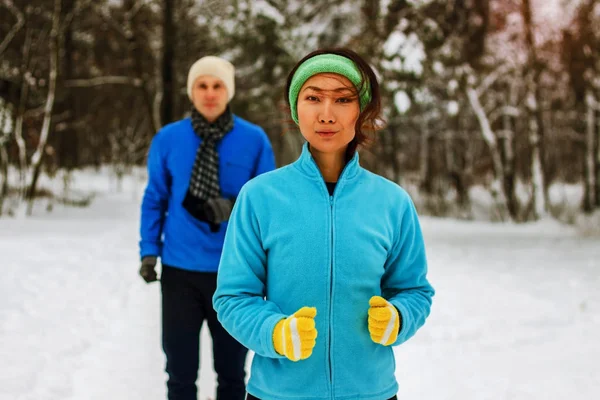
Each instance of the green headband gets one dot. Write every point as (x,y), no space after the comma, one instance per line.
(323,63)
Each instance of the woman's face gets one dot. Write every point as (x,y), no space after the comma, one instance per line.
(328,107)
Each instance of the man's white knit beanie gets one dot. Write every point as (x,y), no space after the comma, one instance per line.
(215,66)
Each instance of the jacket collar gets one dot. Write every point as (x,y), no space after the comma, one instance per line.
(307,165)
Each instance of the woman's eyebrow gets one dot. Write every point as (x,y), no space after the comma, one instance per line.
(337,90)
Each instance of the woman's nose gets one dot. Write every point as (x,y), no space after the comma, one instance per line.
(326,115)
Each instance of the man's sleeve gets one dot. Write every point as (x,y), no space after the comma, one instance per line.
(155,201)
(266,158)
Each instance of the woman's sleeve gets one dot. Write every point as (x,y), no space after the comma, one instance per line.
(405,283)
(240,296)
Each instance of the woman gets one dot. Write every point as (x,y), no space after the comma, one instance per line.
(323,267)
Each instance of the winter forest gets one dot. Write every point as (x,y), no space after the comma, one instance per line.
(492,112)
(484,96)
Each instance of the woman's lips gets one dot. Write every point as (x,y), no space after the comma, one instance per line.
(326,133)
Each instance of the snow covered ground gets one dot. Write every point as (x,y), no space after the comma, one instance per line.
(516,315)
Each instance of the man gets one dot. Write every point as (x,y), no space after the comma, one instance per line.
(196,168)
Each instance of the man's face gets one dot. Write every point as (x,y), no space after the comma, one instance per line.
(209,96)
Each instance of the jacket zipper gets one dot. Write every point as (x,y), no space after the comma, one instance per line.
(330,269)
(331,292)
(331,274)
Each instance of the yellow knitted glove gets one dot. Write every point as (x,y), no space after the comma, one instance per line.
(295,336)
(384,321)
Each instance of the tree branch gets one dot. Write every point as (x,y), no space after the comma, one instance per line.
(505,110)
(135,9)
(492,77)
(486,129)
(104,80)
(16,27)
(75,12)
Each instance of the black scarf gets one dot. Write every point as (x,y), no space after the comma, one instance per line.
(204,181)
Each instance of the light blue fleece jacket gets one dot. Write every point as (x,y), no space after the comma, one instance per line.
(167,229)
(290,244)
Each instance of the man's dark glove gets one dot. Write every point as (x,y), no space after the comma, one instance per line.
(147,270)
(218,210)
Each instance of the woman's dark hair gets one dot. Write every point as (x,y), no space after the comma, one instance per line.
(369,120)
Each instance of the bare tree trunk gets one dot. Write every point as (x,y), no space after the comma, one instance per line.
(394,151)
(598,163)
(490,139)
(3,175)
(459,168)
(21,145)
(537,178)
(370,38)
(536,128)
(509,172)
(168,59)
(36,159)
(424,157)
(589,198)
(508,154)
(156,100)
(385,154)
(154,106)
(4,140)
(67,138)
(135,45)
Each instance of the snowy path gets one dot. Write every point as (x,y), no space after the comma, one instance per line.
(516,316)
